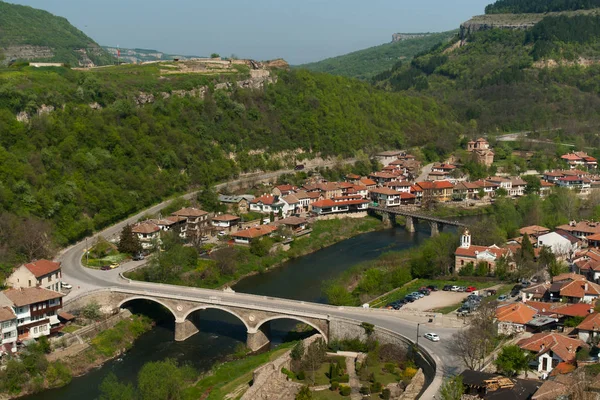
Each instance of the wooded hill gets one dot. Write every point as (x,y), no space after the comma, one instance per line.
(32,34)
(81,168)
(364,64)
(539,6)
(513,79)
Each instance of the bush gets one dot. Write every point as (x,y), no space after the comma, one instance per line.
(334,386)
(409,373)
(386,394)
(364,390)
(287,372)
(58,375)
(301,376)
(376,387)
(91,310)
(389,367)
(344,378)
(345,390)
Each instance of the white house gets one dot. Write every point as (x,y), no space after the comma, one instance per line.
(549,349)
(35,308)
(291,205)
(44,273)
(225,221)
(589,328)
(560,245)
(266,204)
(8,330)
(148,234)
(386,197)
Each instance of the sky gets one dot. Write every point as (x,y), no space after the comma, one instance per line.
(298,31)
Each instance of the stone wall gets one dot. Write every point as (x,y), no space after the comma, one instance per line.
(361,214)
(269,383)
(88,332)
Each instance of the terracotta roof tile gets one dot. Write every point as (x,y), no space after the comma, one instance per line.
(25,296)
(226,217)
(190,212)
(563,346)
(517,313)
(590,323)
(6,314)
(145,228)
(255,232)
(41,268)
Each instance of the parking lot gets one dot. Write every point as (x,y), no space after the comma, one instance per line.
(435,300)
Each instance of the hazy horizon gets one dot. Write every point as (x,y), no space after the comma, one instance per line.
(265,29)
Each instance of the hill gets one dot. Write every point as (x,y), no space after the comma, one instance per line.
(539,6)
(99,144)
(364,64)
(30,34)
(516,76)
(143,55)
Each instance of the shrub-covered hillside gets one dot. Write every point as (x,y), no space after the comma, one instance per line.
(81,169)
(27,26)
(539,6)
(364,64)
(502,79)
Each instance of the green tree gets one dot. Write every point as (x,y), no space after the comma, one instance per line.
(452,389)
(215,55)
(304,394)
(160,380)
(129,242)
(297,351)
(112,389)
(209,200)
(91,310)
(512,360)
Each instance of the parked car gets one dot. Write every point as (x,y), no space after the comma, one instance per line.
(462,289)
(503,297)
(447,288)
(410,298)
(463,312)
(66,285)
(515,290)
(222,233)
(491,292)
(114,265)
(425,291)
(138,257)
(105,267)
(455,288)
(299,167)
(432,336)
(433,288)
(471,289)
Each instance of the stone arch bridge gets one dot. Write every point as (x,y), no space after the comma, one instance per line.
(254,317)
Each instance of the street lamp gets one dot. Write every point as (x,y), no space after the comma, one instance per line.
(418,325)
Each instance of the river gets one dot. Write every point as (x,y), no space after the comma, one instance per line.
(220,333)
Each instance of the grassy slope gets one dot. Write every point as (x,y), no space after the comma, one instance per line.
(364,64)
(22,25)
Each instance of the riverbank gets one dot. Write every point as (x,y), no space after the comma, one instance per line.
(40,369)
(228,266)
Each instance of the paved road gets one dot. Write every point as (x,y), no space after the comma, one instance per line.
(85,280)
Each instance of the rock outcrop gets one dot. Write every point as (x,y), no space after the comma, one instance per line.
(399,37)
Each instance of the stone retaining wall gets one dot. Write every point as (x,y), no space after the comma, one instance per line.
(90,331)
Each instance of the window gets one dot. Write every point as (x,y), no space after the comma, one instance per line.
(44,305)
(21,320)
(8,335)
(44,328)
(35,330)
(30,283)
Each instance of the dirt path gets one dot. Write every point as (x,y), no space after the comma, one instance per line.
(353,382)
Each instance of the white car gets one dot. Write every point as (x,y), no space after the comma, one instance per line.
(66,285)
(432,336)
(455,288)
(222,233)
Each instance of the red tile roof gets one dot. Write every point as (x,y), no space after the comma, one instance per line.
(6,314)
(255,232)
(563,346)
(579,289)
(533,230)
(368,182)
(386,191)
(473,250)
(575,310)
(590,323)
(26,296)
(190,212)
(145,228)
(41,268)
(331,202)
(267,199)
(568,276)
(226,217)
(517,313)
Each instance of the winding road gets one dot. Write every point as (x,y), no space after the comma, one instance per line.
(85,280)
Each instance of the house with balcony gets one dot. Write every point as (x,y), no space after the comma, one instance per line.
(296,224)
(35,308)
(43,273)
(148,233)
(225,221)
(581,229)
(399,186)
(440,191)
(196,221)
(250,235)
(386,197)
(170,223)
(573,288)
(344,204)
(580,159)
(465,190)
(8,330)
(518,187)
(266,204)
(548,349)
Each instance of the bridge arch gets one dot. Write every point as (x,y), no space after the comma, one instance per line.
(148,299)
(299,319)
(227,310)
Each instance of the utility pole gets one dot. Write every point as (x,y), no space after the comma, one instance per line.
(87,254)
(418,325)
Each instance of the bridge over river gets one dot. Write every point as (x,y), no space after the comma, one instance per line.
(389,215)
